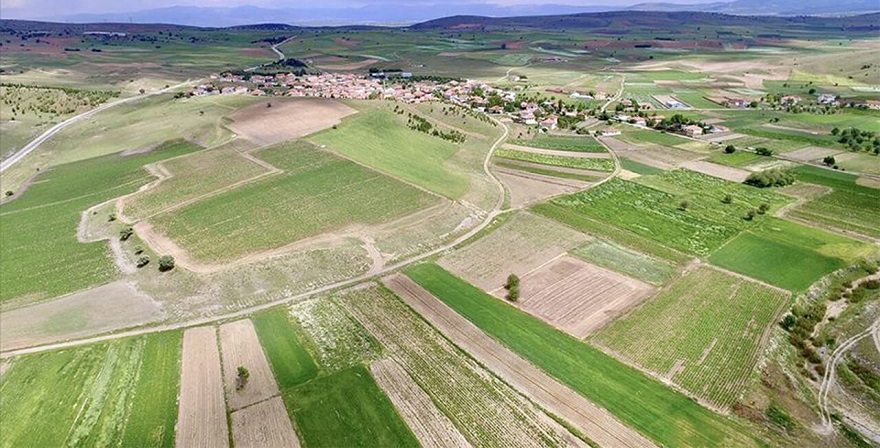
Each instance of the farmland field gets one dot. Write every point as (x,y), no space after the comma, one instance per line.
(123,390)
(626,261)
(849,207)
(346,408)
(290,361)
(659,138)
(641,402)
(339,340)
(705,333)
(559,143)
(547,171)
(606,165)
(638,167)
(318,192)
(38,241)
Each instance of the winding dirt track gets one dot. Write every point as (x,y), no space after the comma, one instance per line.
(548,393)
(831,370)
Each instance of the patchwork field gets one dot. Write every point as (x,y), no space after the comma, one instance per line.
(626,261)
(122,392)
(528,241)
(38,241)
(240,347)
(639,401)
(318,192)
(849,207)
(271,122)
(705,333)
(578,297)
(202,415)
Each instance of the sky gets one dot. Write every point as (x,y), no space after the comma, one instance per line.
(43,8)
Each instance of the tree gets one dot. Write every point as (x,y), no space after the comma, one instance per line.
(8,193)
(683,205)
(835,131)
(241,379)
(166,263)
(268,105)
(728,199)
(138,250)
(789,321)
(730,149)
(143,260)
(125,233)
(763,208)
(111,217)
(512,287)
(761,151)
(750,215)
(504,46)
(829,161)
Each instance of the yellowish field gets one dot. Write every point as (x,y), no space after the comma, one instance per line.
(201,420)
(286,119)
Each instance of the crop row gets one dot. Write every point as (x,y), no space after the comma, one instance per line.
(606,165)
(576,144)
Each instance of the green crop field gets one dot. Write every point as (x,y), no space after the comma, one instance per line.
(660,138)
(40,256)
(848,207)
(318,192)
(606,165)
(654,210)
(626,261)
(576,144)
(548,172)
(347,408)
(738,159)
(787,254)
(667,417)
(638,167)
(98,395)
(291,362)
(704,332)
(380,139)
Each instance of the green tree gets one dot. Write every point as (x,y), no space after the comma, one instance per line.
(730,149)
(728,199)
(829,161)
(683,205)
(763,208)
(242,376)
(166,263)
(125,233)
(143,260)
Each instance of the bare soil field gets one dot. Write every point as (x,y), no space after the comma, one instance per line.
(264,425)
(527,188)
(431,427)
(94,311)
(811,153)
(726,136)
(551,152)
(201,419)
(868,182)
(286,120)
(662,157)
(720,171)
(593,421)
(526,242)
(240,346)
(578,297)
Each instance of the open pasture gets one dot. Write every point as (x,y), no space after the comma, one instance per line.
(849,207)
(119,392)
(562,143)
(380,139)
(788,255)
(38,241)
(626,261)
(705,333)
(528,241)
(578,297)
(318,192)
(639,401)
(586,163)
(271,121)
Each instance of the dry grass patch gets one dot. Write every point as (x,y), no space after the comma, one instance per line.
(527,188)
(241,348)
(286,119)
(201,420)
(812,153)
(97,310)
(523,243)
(578,297)
(264,425)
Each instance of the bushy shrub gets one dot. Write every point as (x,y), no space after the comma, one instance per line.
(770,178)
(166,263)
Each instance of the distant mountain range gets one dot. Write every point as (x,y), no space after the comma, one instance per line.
(399,14)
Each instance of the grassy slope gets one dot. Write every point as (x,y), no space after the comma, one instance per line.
(39,251)
(665,416)
(380,139)
(318,192)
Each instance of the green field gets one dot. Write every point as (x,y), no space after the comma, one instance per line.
(548,172)
(638,167)
(318,192)
(559,143)
(606,165)
(380,139)
(665,416)
(660,138)
(291,362)
(787,254)
(654,208)
(347,408)
(704,331)
(626,261)
(40,256)
(738,159)
(849,207)
(98,395)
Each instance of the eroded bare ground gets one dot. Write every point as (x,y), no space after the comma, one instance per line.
(201,418)
(430,426)
(527,188)
(264,425)
(553,396)
(240,347)
(94,311)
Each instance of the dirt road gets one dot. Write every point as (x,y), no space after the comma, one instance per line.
(831,369)
(548,393)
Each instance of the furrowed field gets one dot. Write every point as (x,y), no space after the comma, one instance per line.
(606,165)
(317,192)
(575,144)
(645,404)
(40,256)
(99,395)
(704,332)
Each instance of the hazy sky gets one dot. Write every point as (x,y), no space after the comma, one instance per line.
(42,8)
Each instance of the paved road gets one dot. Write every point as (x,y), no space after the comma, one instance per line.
(4,165)
(496,210)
